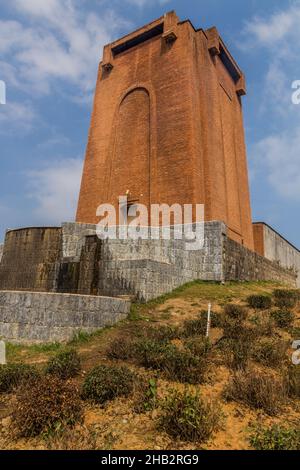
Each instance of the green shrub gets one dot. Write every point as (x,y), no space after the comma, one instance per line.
(270,352)
(283,318)
(238,343)
(121,348)
(292,381)
(194,327)
(183,366)
(285,298)
(256,389)
(163,333)
(264,325)
(65,365)
(146,396)
(105,383)
(176,364)
(236,312)
(150,352)
(259,301)
(186,416)
(216,320)
(198,345)
(275,438)
(46,405)
(13,375)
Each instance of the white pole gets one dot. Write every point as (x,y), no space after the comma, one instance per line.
(208,320)
(2,353)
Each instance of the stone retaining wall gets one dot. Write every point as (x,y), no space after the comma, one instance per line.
(47,317)
(241,264)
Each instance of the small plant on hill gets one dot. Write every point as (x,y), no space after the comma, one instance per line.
(270,352)
(13,375)
(264,324)
(283,318)
(149,353)
(259,302)
(176,364)
(292,381)
(236,312)
(46,405)
(65,365)
(199,346)
(186,416)
(146,396)
(105,383)
(216,320)
(275,438)
(285,298)
(183,366)
(256,389)
(194,327)
(121,348)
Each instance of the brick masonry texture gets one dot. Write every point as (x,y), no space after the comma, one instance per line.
(167,127)
(44,317)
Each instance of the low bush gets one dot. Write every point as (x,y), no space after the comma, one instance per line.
(146,396)
(292,381)
(104,383)
(194,327)
(238,343)
(121,348)
(186,416)
(216,320)
(283,318)
(264,324)
(275,438)
(199,346)
(46,405)
(237,312)
(262,302)
(285,298)
(13,375)
(183,366)
(149,353)
(162,333)
(176,364)
(270,352)
(257,390)
(65,365)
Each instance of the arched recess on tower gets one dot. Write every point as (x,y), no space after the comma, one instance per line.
(130,165)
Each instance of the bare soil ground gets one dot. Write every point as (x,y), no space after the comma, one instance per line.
(116,425)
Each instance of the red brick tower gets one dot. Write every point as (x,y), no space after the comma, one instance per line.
(167,126)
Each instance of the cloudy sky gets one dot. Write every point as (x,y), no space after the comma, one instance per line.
(49,53)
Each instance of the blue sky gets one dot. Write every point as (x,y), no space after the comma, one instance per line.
(49,53)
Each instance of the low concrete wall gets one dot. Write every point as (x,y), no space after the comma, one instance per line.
(47,317)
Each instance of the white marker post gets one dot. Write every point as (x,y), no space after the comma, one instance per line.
(208,320)
(2,353)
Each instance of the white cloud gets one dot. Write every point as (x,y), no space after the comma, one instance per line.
(55,40)
(277,154)
(16,117)
(142,3)
(54,191)
(280,155)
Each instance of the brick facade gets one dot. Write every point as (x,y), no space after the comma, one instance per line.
(167,126)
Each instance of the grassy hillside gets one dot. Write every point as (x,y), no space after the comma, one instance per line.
(174,390)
